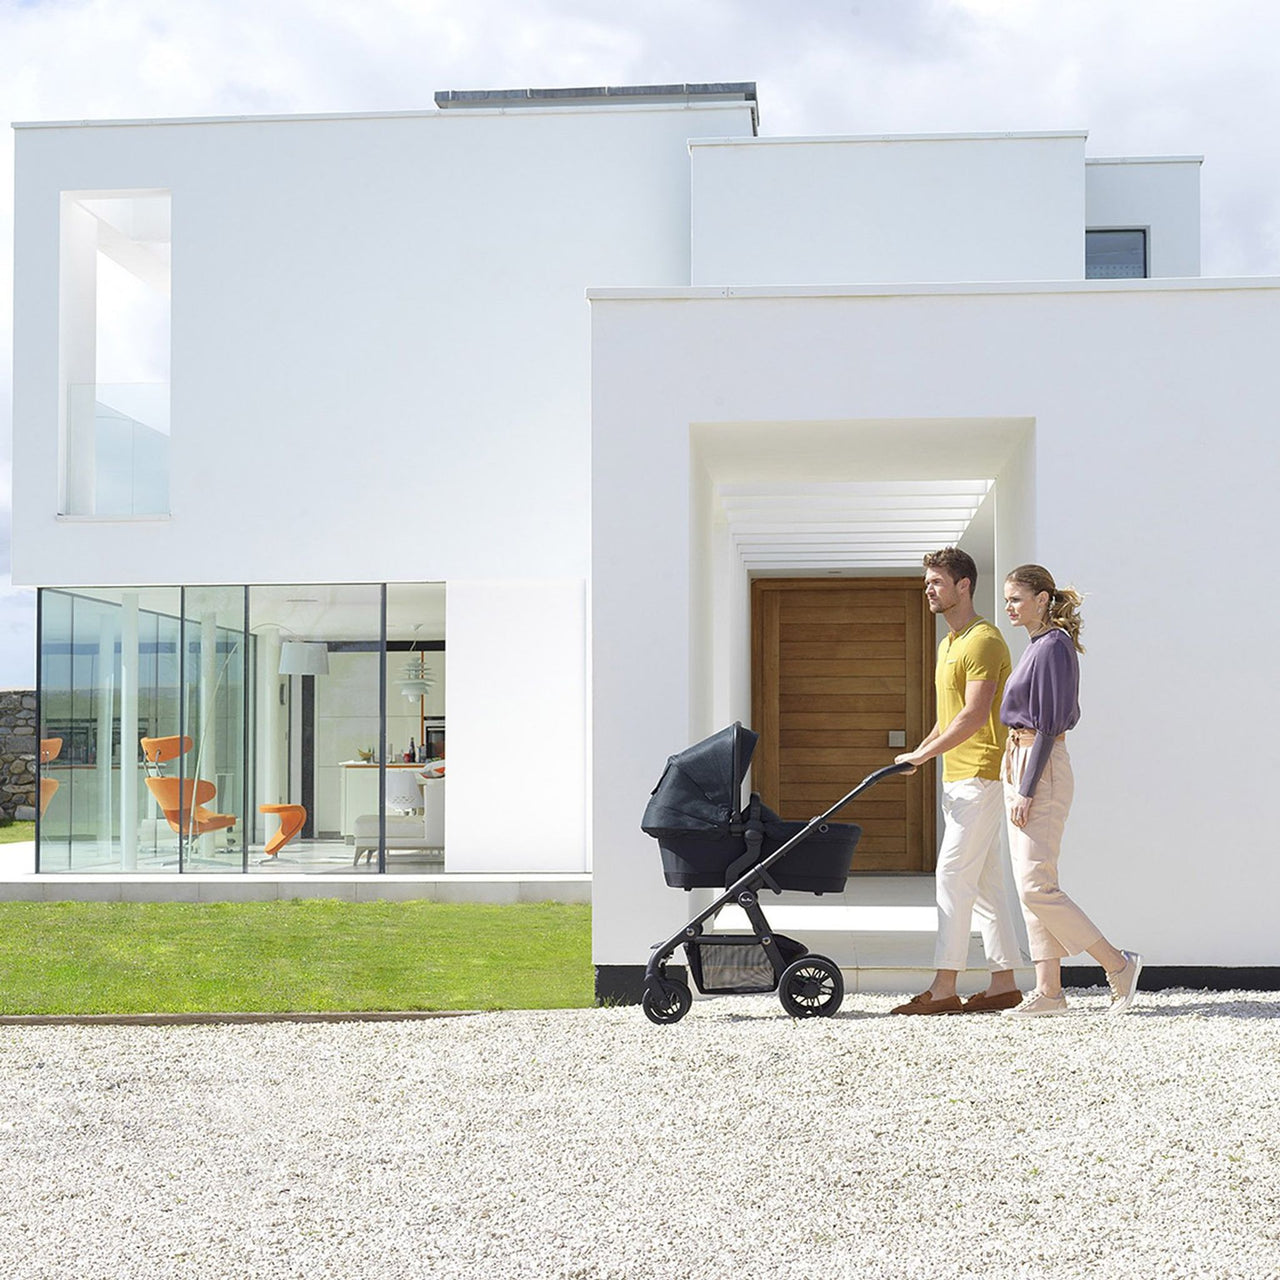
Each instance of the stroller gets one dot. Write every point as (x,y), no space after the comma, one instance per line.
(708,842)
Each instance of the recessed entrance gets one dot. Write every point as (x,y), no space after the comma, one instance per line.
(841,682)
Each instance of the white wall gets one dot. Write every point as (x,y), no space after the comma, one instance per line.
(1154,465)
(980,542)
(1160,194)
(380,341)
(939,208)
(380,372)
(518,779)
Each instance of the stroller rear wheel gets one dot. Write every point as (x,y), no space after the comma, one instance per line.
(668,1000)
(811,987)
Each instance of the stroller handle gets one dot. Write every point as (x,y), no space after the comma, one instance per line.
(880,775)
(869,781)
(887,772)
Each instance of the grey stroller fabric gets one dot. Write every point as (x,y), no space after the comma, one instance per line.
(701,788)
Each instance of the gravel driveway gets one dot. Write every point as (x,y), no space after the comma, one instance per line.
(588,1143)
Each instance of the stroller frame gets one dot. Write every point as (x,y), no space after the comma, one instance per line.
(808,985)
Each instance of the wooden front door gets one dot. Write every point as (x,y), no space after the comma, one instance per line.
(838,665)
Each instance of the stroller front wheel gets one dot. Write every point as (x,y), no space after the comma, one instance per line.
(668,1000)
(811,987)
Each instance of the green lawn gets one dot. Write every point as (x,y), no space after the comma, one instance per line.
(76,957)
(16,832)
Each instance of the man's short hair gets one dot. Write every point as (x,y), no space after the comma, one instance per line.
(956,564)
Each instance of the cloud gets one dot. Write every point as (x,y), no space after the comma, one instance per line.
(1145,76)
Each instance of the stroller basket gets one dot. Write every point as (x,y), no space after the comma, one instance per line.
(729,968)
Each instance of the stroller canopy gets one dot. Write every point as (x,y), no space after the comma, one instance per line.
(701,787)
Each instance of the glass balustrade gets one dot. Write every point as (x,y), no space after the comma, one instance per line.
(117,449)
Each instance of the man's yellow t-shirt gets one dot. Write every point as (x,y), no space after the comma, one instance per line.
(976,653)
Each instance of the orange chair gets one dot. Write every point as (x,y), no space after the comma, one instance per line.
(181,800)
(292,818)
(157,751)
(50,749)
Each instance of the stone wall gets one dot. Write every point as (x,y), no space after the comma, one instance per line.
(18,732)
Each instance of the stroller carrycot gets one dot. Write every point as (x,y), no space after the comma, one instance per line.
(703,835)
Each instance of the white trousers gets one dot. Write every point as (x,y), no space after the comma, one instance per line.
(971,877)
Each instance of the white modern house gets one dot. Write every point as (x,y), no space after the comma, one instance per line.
(575,425)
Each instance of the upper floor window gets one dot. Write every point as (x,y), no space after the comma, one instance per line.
(1115,255)
(114,328)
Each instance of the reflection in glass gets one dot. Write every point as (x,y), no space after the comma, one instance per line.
(108,676)
(1115,255)
(212,822)
(53,844)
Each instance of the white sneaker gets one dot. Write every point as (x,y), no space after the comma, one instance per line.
(1038,1005)
(1124,982)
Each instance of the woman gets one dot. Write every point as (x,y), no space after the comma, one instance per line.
(1040,705)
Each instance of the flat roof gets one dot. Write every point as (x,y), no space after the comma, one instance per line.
(711,292)
(602,95)
(493,101)
(824,138)
(1144,160)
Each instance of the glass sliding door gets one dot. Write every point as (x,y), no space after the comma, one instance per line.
(108,676)
(55,622)
(318,738)
(415,712)
(234,728)
(156,717)
(214,716)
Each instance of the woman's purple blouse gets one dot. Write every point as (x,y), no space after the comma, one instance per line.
(1043,694)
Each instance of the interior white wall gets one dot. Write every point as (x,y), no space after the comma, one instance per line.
(1151,473)
(1014,494)
(708,601)
(737,650)
(943,208)
(517,726)
(1161,194)
(980,542)
(77,346)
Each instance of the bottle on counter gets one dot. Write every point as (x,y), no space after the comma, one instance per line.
(409,755)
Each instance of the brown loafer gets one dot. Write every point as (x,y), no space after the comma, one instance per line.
(924,1003)
(984,1003)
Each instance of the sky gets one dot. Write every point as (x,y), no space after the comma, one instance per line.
(1144,77)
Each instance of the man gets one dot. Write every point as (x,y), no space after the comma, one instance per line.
(973,665)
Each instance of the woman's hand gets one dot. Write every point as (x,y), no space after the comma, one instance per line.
(1020,811)
(911,758)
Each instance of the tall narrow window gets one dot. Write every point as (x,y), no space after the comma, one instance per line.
(1115,255)
(114,353)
